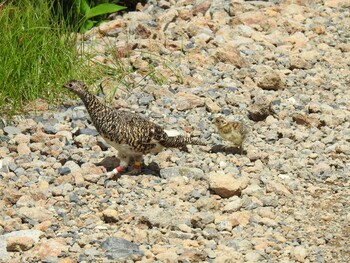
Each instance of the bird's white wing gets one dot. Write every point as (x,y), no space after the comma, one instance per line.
(172,133)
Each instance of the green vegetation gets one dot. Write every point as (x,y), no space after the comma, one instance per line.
(97,12)
(38,49)
(37,53)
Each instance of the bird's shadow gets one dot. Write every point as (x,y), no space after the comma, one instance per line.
(112,162)
(227,149)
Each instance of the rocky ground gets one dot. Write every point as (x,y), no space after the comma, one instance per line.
(281,67)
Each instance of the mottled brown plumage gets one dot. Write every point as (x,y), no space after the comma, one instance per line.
(233,131)
(132,135)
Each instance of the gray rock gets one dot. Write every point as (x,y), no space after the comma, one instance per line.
(202,219)
(3,251)
(194,173)
(50,260)
(11,130)
(213,94)
(224,226)
(79,113)
(64,170)
(4,168)
(120,249)
(133,99)
(181,235)
(92,252)
(226,111)
(270,201)
(73,198)
(253,190)
(73,166)
(157,217)
(50,129)
(197,193)
(87,131)
(145,99)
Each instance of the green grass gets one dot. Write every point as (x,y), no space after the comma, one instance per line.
(37,53)
(118,69)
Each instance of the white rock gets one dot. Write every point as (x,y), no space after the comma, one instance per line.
(300,253)
(234,205)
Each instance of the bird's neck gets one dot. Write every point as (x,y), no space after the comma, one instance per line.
(93,105)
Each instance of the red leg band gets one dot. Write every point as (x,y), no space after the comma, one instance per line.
(119,169)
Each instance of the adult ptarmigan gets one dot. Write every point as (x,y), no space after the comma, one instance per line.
(132,135)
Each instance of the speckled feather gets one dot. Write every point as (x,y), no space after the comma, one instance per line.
(235,132)
(126,128)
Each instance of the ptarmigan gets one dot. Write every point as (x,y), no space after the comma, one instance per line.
(233,131)
(132,135)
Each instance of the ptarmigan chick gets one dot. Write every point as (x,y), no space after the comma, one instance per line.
(232,131)
(132,135)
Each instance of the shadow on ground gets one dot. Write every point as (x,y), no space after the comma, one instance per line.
(227,149)
(112,162)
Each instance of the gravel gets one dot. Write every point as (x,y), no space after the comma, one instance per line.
(282,68)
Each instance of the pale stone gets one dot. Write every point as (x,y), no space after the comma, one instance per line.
(49,248)
(22,138)
(39,214)
(300,253)
(110,216)
(23,148)
(337,3)
(270,80)
(186,101)
(273,186)
(234,205)
(226,185)
(17,244)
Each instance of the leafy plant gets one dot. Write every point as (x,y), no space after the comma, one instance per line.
(88,13)
(38,52)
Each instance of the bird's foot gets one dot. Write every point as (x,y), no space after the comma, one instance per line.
(114,173)
(136,168)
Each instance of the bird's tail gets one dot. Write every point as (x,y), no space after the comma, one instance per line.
(180,141)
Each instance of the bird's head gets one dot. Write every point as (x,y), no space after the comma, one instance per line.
(220,122)
(76,86)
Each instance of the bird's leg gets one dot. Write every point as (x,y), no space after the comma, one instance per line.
(136,168)
(123,165)
(242,148)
